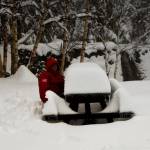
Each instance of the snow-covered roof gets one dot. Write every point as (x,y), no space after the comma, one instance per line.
(86,77)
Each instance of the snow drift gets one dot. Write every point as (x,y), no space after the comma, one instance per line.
(19,99)
(23,74)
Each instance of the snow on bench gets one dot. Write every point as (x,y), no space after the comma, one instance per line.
(83,78)
(56,105)
(120,99)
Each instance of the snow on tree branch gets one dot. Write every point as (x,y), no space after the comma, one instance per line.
(54,3)
(29,3)
(25,37)
(54,19)
(81,15)
(2,4)
(63,27)
(5,11)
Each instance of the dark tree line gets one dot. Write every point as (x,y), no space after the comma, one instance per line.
(74,21)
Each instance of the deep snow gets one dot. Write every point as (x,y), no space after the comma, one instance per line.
(22,128)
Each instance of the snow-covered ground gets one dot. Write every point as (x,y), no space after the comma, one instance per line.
(22,129)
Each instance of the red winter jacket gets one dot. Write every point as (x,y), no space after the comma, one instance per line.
(51,80)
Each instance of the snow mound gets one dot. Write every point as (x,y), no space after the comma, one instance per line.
(86,78)
(16,110)
(23,74)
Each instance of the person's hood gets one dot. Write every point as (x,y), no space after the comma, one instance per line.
(50,63)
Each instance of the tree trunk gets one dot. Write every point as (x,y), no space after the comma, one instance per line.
(106,60)
(116,64)
(5,38)
(85,33)
(14,49)
(38,39)
(14,40)
(39,35)
(63,52)
(117,54)
(1,68)
(65,40)
(106,56)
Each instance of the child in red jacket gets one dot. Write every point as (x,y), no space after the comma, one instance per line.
(51,79)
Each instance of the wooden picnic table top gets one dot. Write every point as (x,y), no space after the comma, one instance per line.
(87,98)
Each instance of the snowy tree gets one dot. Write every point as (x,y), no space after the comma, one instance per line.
(40,31)
(4,28)
(11,13)
(141,22)
(1,69)
(85,32)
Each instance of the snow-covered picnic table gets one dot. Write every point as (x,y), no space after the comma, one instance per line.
(87,84)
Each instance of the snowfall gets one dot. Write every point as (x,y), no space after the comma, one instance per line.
(21,126)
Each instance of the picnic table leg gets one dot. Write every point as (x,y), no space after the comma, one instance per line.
(87,108)
(74,106)
(103,104)
(110,120)
(88,119)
